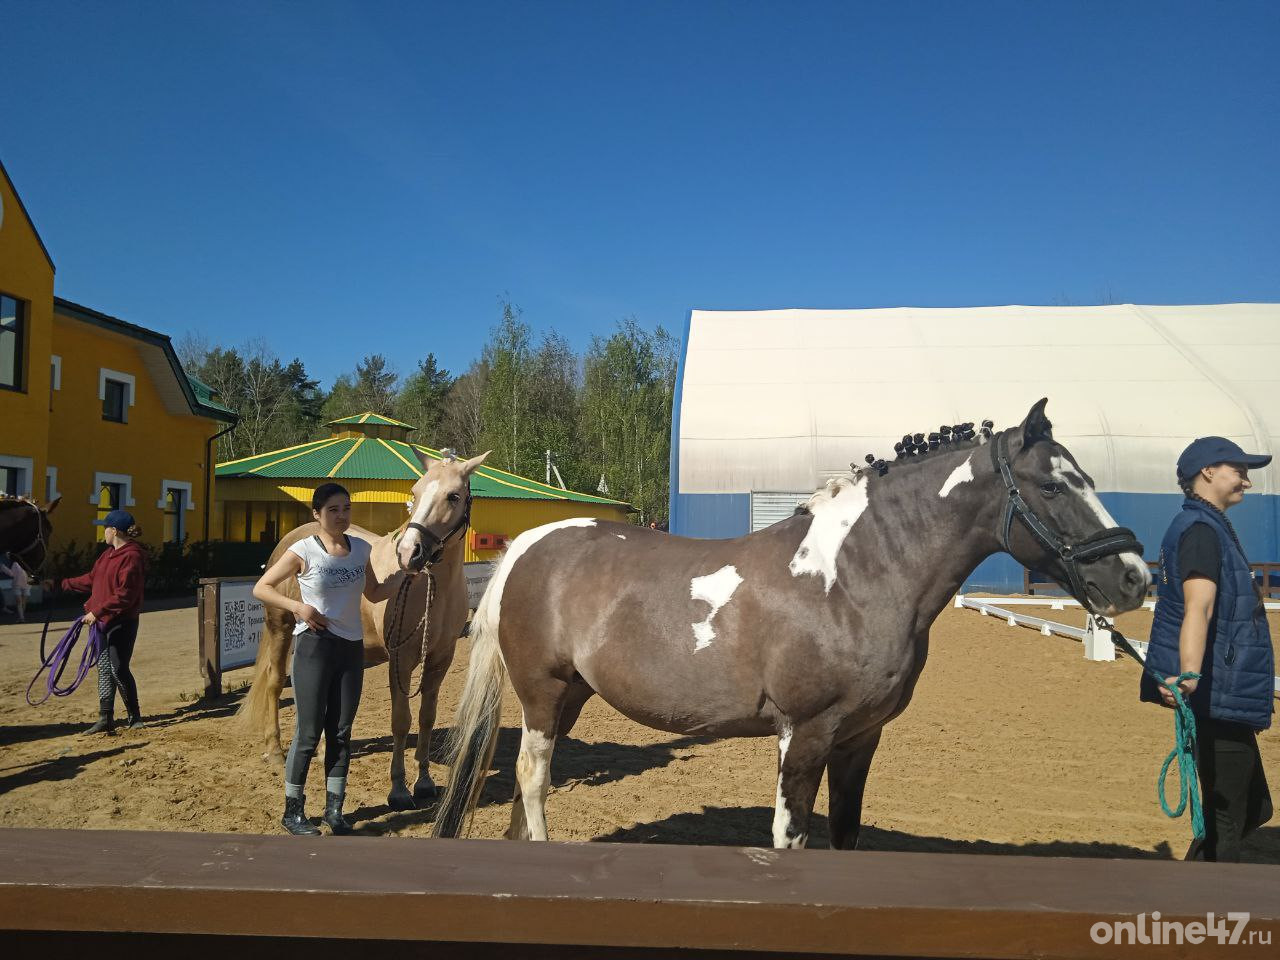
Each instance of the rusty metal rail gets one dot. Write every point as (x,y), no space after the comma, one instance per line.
(206,895)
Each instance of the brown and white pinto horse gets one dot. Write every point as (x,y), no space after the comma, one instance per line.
(432,540)
(813,630)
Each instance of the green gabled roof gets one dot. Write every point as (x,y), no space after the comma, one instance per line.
(205,395)
(371,458)
(371,418)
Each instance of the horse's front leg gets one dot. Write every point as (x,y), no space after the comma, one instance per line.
(399,668)
(802,756)
(846,780)
(424,789)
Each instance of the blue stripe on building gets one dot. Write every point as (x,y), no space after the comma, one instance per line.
(1257,523)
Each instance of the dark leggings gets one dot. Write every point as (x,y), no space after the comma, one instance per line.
(113,667)
(1233,789)
(328,675)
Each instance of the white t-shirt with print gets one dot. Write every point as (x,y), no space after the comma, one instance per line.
(333,585)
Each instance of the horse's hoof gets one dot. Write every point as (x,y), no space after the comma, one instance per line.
(424,791)
(401,801)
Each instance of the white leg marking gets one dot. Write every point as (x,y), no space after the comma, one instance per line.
(961,474)
(533,770)
(716,589)
(835,509)
(781,816)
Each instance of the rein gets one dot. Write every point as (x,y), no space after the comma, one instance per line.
(395,622)
(1104,543)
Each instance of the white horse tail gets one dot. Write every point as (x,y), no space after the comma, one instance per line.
(475,727)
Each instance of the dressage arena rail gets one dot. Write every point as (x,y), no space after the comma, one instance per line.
(103,893)
(998,607)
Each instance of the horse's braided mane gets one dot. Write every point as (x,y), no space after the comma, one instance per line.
(914,448)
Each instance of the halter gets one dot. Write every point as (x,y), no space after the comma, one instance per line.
(38,541)
(1104,543)
(438,550)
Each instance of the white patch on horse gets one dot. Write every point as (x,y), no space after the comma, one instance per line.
(716,589)
(519,547)
(961,474)
(781,816)
(424,505)
(835,509)
(1065,474)
(533,771)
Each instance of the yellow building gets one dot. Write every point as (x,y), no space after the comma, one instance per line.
(260,498)
(94,409)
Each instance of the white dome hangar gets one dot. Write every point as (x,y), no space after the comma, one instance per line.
(771,403)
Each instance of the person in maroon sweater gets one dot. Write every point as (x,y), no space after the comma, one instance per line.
(115,586)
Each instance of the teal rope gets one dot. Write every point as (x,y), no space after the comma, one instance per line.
(1184,735)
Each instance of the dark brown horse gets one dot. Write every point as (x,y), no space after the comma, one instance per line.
(25,530)
(813,630)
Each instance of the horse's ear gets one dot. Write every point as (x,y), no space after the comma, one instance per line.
(52,505)
(469,466)
(1036,426)
(424,458)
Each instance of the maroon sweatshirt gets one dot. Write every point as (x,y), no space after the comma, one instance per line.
(114,584)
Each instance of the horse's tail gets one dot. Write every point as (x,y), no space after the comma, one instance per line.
(257,713)
(475,727)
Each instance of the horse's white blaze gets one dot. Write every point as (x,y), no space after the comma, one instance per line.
(781,816)
(716,589)
(533,771)
(1067,475)
(961,474)
(519,546)
(835,509)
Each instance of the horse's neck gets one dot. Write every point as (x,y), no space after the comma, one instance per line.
(937,540)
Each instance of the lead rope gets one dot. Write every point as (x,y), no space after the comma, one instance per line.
(396,639)
(1184,739)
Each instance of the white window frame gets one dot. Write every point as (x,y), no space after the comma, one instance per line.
(167,485)
(51,484)
(55,362)
(131,386)
(126,481)
(25,467)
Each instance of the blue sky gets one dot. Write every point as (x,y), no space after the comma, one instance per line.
(346,179)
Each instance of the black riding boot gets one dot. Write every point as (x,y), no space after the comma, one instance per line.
(333,814)
(106,722)
(295,820)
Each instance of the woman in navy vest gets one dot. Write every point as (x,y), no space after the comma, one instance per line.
(1210,620)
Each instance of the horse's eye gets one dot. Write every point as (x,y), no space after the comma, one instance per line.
(454,498)
(1050,489)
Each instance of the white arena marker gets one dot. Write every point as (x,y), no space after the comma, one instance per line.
(961,474)
(715,589)
(835,509)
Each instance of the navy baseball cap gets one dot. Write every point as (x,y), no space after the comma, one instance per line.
(120,519)
(1207,451)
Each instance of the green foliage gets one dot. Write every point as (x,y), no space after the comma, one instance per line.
(172,568)
(605,417)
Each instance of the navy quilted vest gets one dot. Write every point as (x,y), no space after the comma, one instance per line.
(1239,667)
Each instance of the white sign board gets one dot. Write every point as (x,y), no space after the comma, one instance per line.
(240,618)
(477,574)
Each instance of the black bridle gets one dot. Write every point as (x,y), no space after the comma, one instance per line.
(437,551)
(37,541)
(1104,543)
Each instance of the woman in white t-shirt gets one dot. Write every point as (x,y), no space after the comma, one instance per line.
(333,571)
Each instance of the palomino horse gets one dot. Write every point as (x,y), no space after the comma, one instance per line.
(426,619)
(813,630)
(25,530)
